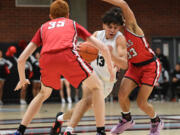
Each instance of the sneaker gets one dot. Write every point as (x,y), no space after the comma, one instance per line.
(17,133)
(69,100)
(56,128)
(156,127)
(122,126)
(67,133)
(63,101)
(23,102)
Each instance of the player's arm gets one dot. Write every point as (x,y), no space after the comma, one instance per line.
(130,20)
(35,42)
(105,52)
(21,64)
(120,59)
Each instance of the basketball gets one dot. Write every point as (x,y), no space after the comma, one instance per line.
(88,52)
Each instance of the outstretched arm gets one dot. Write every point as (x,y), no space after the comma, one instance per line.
(130,20)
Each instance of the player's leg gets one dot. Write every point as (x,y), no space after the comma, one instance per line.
(126,87)
(68,90)
(61,92)
(1,90)
(23,95)
(142,102)
(36,88)
(74,115)
(34,108)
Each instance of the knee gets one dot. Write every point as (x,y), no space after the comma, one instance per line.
(44,94)
(88,101)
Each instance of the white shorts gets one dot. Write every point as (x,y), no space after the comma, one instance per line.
(108,87)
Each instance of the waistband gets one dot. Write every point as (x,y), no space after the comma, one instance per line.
(145,62)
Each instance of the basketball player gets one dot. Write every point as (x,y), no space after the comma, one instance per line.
(117,44)
(143,70)
(59,57)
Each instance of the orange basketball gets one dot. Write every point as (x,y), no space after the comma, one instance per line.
(88,52)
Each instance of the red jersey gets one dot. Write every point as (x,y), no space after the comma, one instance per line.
(59,34)
(138,48)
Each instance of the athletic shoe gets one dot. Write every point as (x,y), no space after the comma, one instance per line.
(17,133)
(122,126)
(69,100)
(56,128)
(156,127)
(23,102)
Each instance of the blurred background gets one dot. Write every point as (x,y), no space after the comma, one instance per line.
(159,19)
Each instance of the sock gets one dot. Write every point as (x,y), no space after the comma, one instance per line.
(126,115)
(156,119)
(60,118)
(21,129)
(69,129)
(101,130)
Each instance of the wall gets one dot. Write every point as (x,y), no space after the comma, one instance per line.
(22,22)
(19,23)
(155,17)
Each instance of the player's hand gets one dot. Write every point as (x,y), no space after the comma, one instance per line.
(22,83)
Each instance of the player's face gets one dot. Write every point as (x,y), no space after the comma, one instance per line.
(111,30)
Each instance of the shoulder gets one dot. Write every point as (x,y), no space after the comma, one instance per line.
(100,33)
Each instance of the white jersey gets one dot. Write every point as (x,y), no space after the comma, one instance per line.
(99,65)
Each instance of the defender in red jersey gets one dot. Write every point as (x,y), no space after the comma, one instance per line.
(144,70)
(59,58)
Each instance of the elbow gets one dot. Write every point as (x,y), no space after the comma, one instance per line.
(20,61)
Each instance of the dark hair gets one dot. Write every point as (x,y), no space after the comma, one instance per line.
(114,15)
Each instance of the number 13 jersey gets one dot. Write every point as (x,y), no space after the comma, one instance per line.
(137,47)
(99,65)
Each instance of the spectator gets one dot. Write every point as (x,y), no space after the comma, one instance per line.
(175,81)
(68,90)
(163,59)
(5,66)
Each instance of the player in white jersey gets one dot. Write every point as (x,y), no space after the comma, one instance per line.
(117,45)
(99,65)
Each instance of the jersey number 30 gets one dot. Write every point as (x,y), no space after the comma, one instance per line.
(56,24)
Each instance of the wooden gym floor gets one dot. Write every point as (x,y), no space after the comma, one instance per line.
(10,116)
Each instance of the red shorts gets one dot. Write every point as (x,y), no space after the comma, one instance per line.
(146,74)
(66,63)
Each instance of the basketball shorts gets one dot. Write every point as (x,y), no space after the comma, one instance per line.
(66,63)
(146,74)
(107,85)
